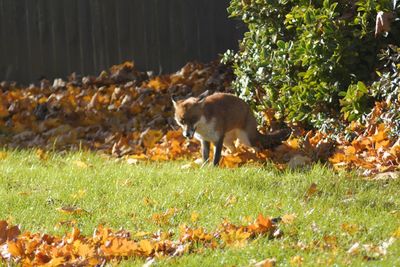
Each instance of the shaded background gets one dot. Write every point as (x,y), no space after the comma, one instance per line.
(49,38)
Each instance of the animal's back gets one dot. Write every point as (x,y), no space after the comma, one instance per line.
(229,111)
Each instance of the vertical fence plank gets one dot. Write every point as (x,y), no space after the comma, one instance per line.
(124,26)
(151,30)
(3,54)
(71,34)
(164,38)
(137,34)
(49,50)
(189,24)
(97,35)
(58,37)
(10,41)
(108,19)
(85,40)
(41,39)
(34,59)
(176,32)
(209,36)
(22,40)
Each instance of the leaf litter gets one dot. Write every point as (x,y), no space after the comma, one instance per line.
(107,245)
(128,114)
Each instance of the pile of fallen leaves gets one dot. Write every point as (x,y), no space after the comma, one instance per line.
(122,111)
(128,113)
(106,245)
(373,150)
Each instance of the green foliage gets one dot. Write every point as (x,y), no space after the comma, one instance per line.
(310,60)
(355,101)
(388,86)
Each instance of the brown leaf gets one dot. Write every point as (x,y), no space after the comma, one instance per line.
(71,210)
(3,231)
(311,191)
(266,263)
(383,22)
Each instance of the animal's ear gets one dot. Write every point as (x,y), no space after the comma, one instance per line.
(203,96)
(174,100)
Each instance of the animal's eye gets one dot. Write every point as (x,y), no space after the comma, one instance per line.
(183,121)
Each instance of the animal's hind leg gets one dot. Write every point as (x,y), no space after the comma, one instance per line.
(229,141)
(249,141)
(244,138)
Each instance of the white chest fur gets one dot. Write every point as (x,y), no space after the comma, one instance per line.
(206,130)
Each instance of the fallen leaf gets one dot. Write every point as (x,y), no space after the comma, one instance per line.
(386,176)
(288,218)
(350,228)
(81,164)
(354,249)
(383,22)
(41,154)
(396,233)
(3,155)
(265,263)
(194,217)
(296,261)
(311,191)
(71,210)
(191,165)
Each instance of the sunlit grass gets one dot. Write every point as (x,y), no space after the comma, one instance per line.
(345,209)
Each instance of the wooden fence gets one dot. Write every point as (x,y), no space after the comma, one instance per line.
(53,38)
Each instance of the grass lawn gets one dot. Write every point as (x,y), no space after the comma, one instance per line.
(344,210)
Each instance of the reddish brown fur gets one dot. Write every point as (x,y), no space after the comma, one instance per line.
(229,113)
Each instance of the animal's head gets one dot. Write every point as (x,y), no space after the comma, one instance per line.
(188,113)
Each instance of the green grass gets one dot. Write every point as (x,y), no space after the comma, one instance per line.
(118,195)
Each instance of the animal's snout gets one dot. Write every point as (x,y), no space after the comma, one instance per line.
(188,133)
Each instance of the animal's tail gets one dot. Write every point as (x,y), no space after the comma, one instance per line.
(275,138)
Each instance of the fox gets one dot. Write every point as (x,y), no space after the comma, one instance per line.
(221,119)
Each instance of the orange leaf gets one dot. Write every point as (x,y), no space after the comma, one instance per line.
(380,133)
(15,248)
(350,150)
(264,222)
(293,143)
(150,137)
(311,191)
(146,247)
(3,111)
(41,154)
(58,261)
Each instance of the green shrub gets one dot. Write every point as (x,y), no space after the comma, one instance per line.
(388,87)
(310,60)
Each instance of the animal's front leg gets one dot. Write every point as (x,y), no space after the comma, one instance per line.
(205,150)
(217,151)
